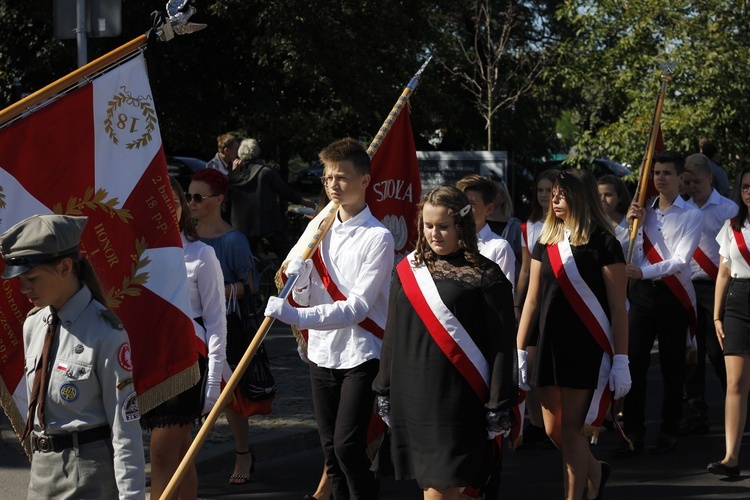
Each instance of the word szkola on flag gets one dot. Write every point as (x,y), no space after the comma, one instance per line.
(396,188)
(96,151)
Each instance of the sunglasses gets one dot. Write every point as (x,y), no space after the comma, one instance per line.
(198,198)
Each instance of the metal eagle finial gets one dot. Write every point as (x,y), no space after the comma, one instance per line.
(178,13)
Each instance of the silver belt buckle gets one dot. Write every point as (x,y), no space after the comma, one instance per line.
(44,444)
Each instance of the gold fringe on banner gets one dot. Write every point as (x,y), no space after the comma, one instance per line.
(14,415)
(177,383)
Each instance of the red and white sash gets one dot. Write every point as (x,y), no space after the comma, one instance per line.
(530,233)
(447,332)
(679,283)
(333,290)
(336,294)
(706,263)
(590,311)
(739,240)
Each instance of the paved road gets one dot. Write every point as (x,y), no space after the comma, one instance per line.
(289,460)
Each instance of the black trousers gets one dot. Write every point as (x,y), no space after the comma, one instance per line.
(343,401)
(655,313)
(708,344)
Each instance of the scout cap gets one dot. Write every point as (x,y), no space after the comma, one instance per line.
(38,239)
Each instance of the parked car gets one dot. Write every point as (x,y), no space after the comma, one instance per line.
(182,168)
(309,178)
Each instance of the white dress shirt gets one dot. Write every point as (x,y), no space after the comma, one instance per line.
(716,211)
(359,256)
(498,250)
(730,252)
(206,290)
(622,233)
(680,226)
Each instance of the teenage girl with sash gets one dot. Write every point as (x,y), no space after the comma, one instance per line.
(447,383)
(732,320)
(577,280)
(530,230)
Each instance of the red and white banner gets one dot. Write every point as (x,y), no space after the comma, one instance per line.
(396,188)
(96,151)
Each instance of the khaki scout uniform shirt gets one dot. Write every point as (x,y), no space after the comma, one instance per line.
(90,384)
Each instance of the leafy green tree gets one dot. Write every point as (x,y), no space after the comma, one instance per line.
(612,66)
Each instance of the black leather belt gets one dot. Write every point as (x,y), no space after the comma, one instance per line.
(59,442)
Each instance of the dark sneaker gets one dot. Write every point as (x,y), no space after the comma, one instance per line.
(663,444)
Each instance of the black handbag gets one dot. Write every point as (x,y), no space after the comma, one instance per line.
(257,383)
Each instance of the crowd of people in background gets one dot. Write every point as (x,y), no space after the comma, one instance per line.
(560,311)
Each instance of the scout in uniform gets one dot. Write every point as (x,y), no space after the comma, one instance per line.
(83,410)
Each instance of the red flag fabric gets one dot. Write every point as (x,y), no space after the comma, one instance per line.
(395,188)
(96,151)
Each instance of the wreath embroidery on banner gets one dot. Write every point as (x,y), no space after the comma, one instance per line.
(128,123)
(94,201)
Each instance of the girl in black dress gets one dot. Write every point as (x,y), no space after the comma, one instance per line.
(445,413)
(577,281)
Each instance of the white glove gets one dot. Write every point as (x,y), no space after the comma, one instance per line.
(523,377)
(281,309)
(212,394)
(301,268)
(619,376)
(302,354)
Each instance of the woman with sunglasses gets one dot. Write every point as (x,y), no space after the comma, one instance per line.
(170,422)
(206,194)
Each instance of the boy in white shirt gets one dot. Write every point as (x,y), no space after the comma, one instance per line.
(343,291)
(481,192)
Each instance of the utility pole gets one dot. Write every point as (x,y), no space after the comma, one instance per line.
(81,32)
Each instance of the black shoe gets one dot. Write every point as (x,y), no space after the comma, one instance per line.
(694,427)
(623,449)
(663,444)
(721,469)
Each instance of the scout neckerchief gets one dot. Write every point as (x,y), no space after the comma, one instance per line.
(679,284)
(447,332)
(590,311)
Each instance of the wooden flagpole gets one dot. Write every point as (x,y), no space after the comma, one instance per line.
(640,196)
(72,78)
(330,212)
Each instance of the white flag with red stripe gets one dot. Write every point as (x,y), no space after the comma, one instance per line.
(96,151)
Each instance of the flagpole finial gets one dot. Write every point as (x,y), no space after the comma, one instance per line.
(667,69)
(178,13)
(415,79)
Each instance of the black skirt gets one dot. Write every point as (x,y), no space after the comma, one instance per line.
(737,318)
(184,408)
